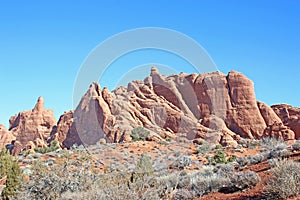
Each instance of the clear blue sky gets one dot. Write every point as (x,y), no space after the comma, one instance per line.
(43,43)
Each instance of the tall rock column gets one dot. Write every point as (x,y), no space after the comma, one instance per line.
(34,125)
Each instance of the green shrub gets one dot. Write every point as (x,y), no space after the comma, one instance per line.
(139,133)
(9,167)
(232,158)
(54,145)
(218,158)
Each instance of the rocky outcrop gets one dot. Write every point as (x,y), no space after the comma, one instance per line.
(6,137)
(232,99)
(290,117)
(210,106)
(275,127)
(244,117)
(63,129)
(33,126)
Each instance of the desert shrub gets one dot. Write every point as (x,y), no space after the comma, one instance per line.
(240,181)
(108,188)
(296,146)
(231,158)
(9,167)
(279,153)
(168,181)
(49,182)
(202,184)
(143,168)
(242,161)
(255,159)
(139,133)
(54,145)
(204,147)
(253,144)
(221,178)
(273,143)
(220,157)
(285,181)
(224,169)
(258,158)
(183,194)
(273,162)
(183,180)
(181,162)
(249,143)
(102,191)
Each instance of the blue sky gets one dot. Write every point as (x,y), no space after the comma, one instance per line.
(44,43)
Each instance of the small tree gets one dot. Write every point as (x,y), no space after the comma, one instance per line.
(9,167)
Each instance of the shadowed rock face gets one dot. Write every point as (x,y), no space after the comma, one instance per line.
(33,126)
(211,106)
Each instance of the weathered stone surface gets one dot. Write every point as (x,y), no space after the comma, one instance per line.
(278,130)
(275,127)
(210,106)
(290,117)
(244,117)
(18,147)
(268,114)
(63,129)
(33,126)
(6,137)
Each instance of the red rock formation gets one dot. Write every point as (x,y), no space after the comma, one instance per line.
(34,125)
(275,127)
(290,117)
(64,126)
(244,117)
(211,106)
(6,137)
